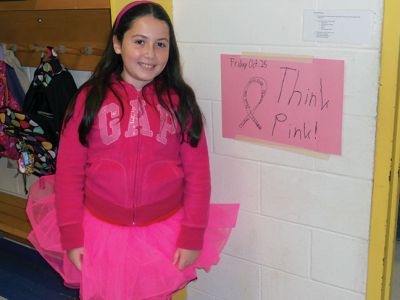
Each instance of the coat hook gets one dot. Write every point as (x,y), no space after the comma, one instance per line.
(61,49)
(87,51)
(13,47)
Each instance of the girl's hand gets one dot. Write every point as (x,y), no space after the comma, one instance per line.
(185,257)
(75,256)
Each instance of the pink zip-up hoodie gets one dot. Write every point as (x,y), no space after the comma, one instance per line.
(134,171)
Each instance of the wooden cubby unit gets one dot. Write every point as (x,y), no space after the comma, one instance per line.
(73,24)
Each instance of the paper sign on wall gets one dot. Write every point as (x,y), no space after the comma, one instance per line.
(297,103)
(339,26)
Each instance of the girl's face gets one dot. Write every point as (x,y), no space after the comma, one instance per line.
(144,50)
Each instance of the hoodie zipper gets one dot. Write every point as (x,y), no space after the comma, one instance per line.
(138,144)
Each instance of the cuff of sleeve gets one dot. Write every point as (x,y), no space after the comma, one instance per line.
(71,236)
(190,238)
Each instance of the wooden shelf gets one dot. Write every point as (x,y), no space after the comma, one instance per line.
(53,4)
(14,222)
(72,24)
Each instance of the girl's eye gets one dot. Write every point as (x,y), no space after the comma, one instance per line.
(161,45)
(139,42)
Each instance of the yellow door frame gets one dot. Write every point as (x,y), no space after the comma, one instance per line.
(387,161)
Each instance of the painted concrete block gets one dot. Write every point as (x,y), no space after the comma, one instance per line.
(339,261)
(205,107)
(258,22)
(317,199)
(193,294)
(231,279)
(235,181)
(283,286)
(272,243)
(358,149)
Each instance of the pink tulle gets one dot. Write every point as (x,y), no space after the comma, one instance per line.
(45,236)
(122,262)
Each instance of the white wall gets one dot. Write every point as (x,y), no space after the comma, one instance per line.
(303,227)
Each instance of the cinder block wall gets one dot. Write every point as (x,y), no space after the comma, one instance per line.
(303,228)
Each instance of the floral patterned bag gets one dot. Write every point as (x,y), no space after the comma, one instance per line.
(7,143)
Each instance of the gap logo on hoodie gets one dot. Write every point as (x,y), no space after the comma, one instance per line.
(110,125)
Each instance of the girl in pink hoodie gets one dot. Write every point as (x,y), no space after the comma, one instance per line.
(132,187)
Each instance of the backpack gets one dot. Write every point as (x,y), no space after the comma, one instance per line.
(49,94)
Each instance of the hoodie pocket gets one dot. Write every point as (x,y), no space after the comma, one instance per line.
(162,181)
(108,179)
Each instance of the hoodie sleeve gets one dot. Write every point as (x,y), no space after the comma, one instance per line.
(196,194)
(70,180)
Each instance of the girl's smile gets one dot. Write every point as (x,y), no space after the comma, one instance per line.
(144,50)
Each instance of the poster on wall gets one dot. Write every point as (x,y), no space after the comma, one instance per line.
(286,101)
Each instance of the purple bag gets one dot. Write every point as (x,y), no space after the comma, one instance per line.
(7,143)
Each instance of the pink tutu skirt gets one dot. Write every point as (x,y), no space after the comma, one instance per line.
(124,262)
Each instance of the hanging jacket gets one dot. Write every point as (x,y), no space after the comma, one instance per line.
(14,85)
(135,169)
(10,59)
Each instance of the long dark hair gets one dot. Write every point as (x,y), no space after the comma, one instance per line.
(188,112)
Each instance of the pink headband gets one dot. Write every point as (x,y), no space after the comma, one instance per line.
(128,7)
